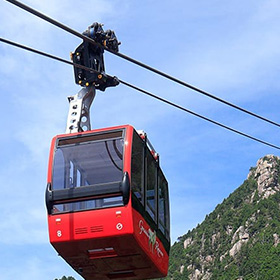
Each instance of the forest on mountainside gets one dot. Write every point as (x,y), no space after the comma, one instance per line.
(240,238)
(65,278)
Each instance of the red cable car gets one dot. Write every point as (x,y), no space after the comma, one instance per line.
(107,203)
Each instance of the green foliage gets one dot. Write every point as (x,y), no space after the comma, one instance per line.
(210,242)
(66,278)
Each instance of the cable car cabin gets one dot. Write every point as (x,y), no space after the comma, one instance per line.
(107,203)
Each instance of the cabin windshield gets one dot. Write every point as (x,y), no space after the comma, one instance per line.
(86,161)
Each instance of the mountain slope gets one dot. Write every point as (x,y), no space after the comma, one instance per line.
(239,239)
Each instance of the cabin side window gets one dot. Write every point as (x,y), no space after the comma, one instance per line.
(137,167)
(151,189)
(149,185)
(163,206)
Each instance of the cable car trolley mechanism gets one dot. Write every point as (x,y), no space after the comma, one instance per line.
(106,197)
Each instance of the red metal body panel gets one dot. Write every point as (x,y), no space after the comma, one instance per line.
(90,224)
(109,243)
(150,243)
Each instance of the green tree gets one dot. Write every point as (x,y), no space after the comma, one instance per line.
(65,278)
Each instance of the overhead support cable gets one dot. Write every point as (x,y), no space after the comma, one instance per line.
(199,116)
(144,92)
(167,76)
(45,54)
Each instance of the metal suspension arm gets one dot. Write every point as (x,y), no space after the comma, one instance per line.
(79,104)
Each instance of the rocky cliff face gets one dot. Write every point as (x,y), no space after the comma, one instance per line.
(267,176)
(224,246)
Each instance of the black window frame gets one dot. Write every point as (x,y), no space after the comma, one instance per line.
(166,222)
(151,163)
(136,140)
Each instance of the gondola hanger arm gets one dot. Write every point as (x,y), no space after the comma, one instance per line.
(90,56)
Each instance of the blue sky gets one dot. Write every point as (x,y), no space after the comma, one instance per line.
(229,48)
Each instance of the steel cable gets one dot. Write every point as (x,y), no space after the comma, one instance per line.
(167,76)
(142,91)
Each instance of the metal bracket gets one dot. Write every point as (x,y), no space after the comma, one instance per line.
(79,104)
(91,56)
